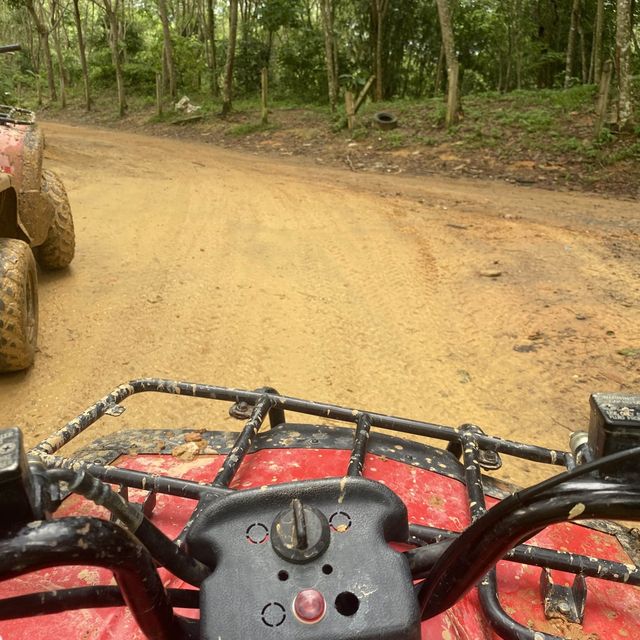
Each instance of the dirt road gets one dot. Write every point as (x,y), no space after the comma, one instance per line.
(444,300)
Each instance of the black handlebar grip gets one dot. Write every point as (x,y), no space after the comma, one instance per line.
(8,48)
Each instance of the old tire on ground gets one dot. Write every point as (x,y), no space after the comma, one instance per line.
(58,249)
(385,121)
(18,305)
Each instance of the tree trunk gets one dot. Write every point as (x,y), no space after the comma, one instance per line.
(327,8)
(623,56)
(114,29)
(517,41)
(213,61)
(83,55)
(168,47)
(583,54)
(231,53)
(597,45)
(43,33)
(571,42)
(264,94)
(602,105)
(61,70)
(46,50)
(380,10)
(451,58)
(438,81)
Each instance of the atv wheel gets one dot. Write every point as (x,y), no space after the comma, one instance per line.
(18,305)
(58,249)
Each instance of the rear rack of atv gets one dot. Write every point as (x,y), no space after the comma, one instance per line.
(477,451)
(16,115)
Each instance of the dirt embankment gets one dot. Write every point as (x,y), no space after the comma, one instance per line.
(450,301)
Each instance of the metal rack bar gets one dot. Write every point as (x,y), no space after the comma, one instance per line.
(243,443)
(360,439)
(546,558)
(334,412)
(107,545)
(138,479)
(505,626)
(100,596)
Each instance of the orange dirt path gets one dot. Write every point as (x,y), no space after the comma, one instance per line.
(371,291)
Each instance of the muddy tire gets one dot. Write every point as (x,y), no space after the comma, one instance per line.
(18,305)
(58,249)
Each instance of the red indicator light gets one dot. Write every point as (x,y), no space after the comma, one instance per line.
(309,605)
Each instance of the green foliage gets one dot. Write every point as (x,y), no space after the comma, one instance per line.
(393,139)
(473,82)
(532,120)
(190,61)
(506,48)
(626,152)
(606,136)
(251,57)
(275,14)
(301,69)
(101,70)
(139,76)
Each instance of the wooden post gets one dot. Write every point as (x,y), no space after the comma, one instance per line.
(265,90)
(363,94)
(603,97)
(159,93)
(349,107)
(452,98)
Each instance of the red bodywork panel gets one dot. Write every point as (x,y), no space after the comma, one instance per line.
(16,144)
(612,610)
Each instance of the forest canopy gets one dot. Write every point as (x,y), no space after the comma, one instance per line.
(314,49)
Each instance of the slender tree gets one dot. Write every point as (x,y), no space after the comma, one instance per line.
(597,41)
(379,10)
(211,35)
(227,92)
(113,10)
(56,17)
(167,49)
(571,42)
(623,59)
(82,51)
(451,57)
(36,11)
(327,9)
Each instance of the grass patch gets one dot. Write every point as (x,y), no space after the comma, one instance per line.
(628,152)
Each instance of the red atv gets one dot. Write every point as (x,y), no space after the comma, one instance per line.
(307,531)
(34,214)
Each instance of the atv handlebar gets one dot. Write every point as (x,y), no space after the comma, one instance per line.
(9,48)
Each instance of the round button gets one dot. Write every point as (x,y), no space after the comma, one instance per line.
(309,605)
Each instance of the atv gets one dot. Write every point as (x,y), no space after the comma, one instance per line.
(292,528)
(34,215)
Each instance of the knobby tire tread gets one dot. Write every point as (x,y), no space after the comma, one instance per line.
(58,249)
(17,266)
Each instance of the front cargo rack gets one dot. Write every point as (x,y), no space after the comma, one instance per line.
(476,449)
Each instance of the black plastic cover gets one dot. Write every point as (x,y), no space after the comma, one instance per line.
(615,426)
(15,484)
(366,584)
